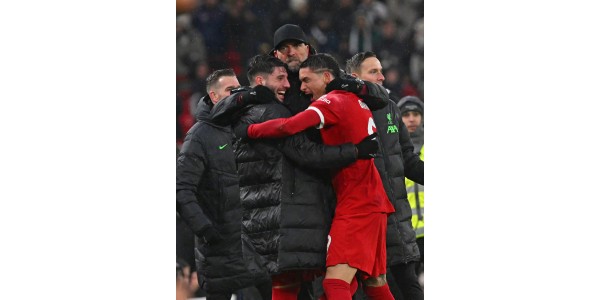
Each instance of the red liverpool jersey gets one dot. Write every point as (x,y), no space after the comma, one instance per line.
(346,119)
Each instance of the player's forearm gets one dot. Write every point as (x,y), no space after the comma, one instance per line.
(283,127)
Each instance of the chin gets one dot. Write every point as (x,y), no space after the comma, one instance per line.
(294,67)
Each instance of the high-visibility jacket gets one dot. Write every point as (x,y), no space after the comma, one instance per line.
(416,198)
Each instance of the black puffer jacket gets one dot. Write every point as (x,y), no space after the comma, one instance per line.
(394,161)
(286,205)
(208,196)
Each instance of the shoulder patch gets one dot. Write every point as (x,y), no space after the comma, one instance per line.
(362,104)
(324,99)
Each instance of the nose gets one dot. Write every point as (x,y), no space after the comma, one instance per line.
(291,51)
(286,84)
(303,87)
(381,77)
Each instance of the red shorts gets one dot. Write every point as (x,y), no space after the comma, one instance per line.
(359,241)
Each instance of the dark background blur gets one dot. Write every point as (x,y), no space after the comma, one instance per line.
(213,34)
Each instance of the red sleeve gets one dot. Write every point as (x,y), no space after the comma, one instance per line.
(283,127)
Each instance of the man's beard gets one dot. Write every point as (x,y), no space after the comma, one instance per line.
(293,65)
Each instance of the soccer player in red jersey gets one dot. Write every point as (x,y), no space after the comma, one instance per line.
(358,233)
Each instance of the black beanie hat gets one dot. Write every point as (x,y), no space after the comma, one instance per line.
(410,103)
(289,32)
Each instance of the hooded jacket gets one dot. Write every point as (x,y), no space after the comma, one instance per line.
(208,196)
(394,161)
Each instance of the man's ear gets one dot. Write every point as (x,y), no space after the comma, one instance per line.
(213,96)
(327,77)
(259,80)
(354,75)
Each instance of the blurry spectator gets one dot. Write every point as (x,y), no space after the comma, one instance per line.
(301,14)
(210,19)
(408,88)
(418,6)
(393,83)
(237,38)
(198,87)
(201,72)
(388,46)
(405,12)
(361,34)
(245,32)
(184,118)
(323,33)
(417,66)
(323,6)
(279,11)
(374,11)
(184,6)
(190,51)
(343,18)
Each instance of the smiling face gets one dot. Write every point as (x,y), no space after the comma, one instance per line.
(276,81)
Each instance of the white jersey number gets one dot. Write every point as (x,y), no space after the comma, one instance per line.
(372,126)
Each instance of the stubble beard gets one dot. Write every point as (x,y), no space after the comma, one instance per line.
(293,65)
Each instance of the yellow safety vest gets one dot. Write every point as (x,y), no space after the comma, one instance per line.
(417,192)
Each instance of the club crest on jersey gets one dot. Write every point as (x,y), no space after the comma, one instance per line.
(362,104)
(324,99)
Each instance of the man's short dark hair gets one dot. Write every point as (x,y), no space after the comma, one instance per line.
(263,64)
(353,64)
(322,62)
(214,77)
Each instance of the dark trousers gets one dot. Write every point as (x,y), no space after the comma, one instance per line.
(218,296)
(405,278)
(403,282)
(420,266)
(258,292)
(306,291)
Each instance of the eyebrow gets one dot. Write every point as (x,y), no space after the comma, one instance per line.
(292,43)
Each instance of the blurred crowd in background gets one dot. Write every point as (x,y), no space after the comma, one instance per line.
(213,34)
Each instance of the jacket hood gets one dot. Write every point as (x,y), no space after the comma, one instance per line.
(204,108)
